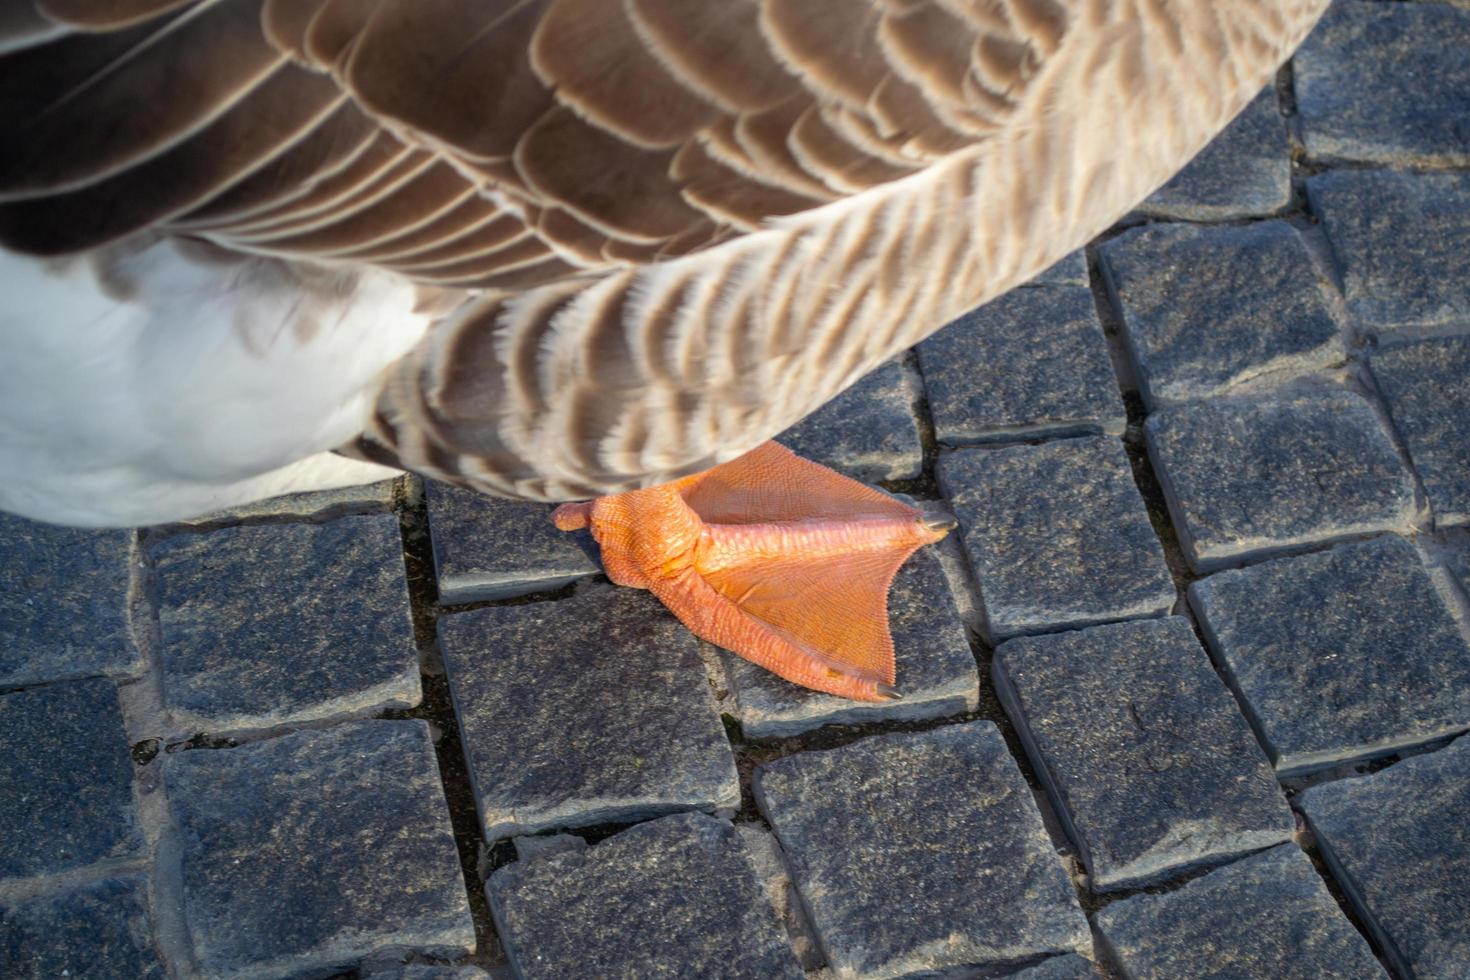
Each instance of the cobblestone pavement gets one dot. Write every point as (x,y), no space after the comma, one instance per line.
(1183,697)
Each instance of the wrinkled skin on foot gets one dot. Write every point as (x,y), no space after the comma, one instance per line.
(772,557)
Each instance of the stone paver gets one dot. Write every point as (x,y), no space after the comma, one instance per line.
(1253,474)
(97,930)
(936,669)
(1427,387)
(1263,916)
(775,878)
(67,779)
(491,548)
(278,623)
(1208,309)
(428,971)
(63,602)
(1068,967)
(869,432)
(674,897)
(1386,83)
(1458,557)
(1245,170)
(313,505)
(1070,270)
(1392,277)
(1143,750)
(1400,844)
(1341,655)
(1057,535)
(1033,362)
(586,710)
(919,852)
(307,852)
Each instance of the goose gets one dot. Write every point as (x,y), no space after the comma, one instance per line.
(594,252)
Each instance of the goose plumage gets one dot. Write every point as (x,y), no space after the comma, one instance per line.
(557,250)
(549,249)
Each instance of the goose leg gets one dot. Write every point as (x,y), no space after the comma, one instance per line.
(773,557)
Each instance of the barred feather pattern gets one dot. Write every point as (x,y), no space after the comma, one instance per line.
(665,229)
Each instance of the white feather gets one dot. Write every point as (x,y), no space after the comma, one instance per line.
(195,384)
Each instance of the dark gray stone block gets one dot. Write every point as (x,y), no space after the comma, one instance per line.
(1263,916)
(1386,83)
(675,897)
(491,548)
(936,669)
(586,710)
(1427,387)
(1340,655)
(98,930)
(775,878)
(1245,170)
(313,505)
(278,623)
(1057,535)
(308,852)
(1398,843)
(1458,557)
(67,778)
(1253,474)
(423,971)
(1031,363)
(669,898)
(1142,749)
(1070,270)
(1209,309)
(869,432)
(63,603)
(1392,279)
(1069,967)
(919,852)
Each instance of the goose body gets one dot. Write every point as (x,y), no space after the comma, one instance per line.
(557,250)
(546,248)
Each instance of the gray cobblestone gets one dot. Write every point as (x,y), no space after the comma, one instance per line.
(869,432)
(1070,270)
(1031,363)
(67,779)
(1245,170)
(1142,749)
(1397,841)
(1341,655)
(936,669)
(1208,309)
(775,878)
(63,603)
(1253,474)
(1386,83)
(312,505)
(1264,916)
(1068,967)
(491,548)
(1458,554)
(308,852)
(1392,279)
(919,852)
(675,897)
(1429,398)
(1057,535)
(424,971)
(586,710)
(279,623)
(97,930)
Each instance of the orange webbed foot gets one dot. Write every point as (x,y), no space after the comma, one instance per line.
(773,557)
